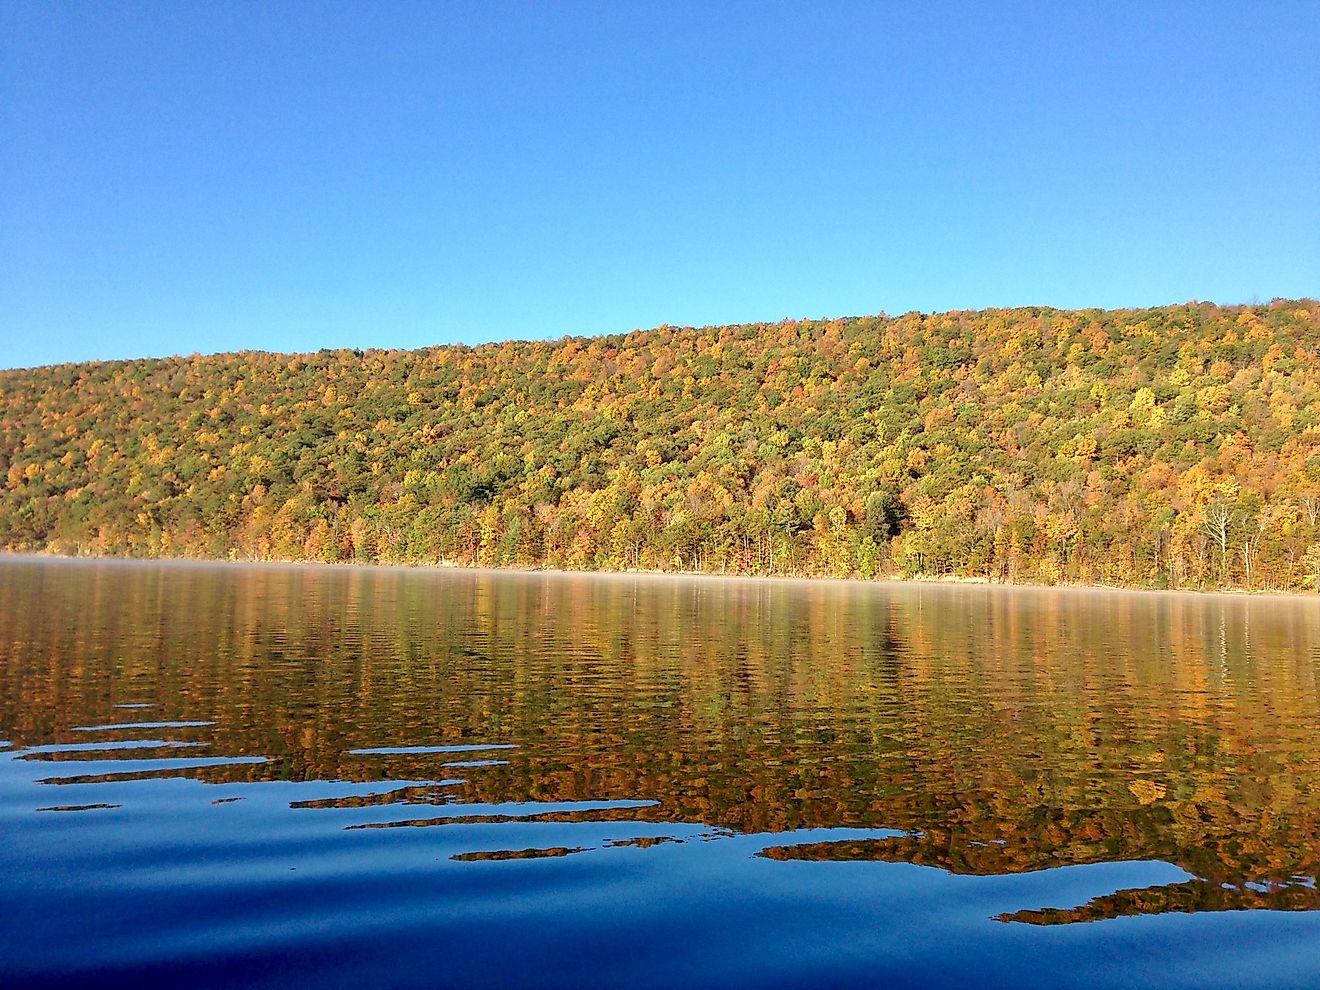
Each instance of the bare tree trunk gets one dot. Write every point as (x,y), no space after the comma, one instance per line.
(1216,524)
(1311,506)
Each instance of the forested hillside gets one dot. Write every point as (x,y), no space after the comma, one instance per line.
(1171,447)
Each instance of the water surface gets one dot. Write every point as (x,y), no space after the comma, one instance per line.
(221,775)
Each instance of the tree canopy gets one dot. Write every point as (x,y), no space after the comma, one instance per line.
(1175,447)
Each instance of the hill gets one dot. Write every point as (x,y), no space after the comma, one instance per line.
(1174,447)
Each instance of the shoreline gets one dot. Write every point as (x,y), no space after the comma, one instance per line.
(1240,594)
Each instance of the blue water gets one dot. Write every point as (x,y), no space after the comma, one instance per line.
(670,784)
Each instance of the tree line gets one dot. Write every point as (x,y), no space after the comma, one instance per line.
(1177,446)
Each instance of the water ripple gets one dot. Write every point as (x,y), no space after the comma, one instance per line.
(407,750)
(139,725)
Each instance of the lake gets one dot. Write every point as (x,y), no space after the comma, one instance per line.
(219,775)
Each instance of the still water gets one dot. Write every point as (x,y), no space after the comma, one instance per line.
(280,776)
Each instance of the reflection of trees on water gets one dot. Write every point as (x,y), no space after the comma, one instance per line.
(983,859)
(1184,898)
(1007,731)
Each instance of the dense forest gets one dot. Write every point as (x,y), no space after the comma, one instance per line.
(1169,447)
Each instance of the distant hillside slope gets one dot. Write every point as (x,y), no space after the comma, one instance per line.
(1177,446)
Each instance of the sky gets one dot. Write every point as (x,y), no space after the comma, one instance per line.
(180,178)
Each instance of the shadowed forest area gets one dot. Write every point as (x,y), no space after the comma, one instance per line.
(1170,447)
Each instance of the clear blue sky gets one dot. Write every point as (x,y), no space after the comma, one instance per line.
(182,177)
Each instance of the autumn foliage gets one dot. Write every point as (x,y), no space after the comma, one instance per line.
(1171,447)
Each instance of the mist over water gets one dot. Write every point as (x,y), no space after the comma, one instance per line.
(276,775)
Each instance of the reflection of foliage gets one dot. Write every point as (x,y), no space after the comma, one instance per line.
(1174,446)
(505,854)
(1185,898)
(1004,731)
(1016,856)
